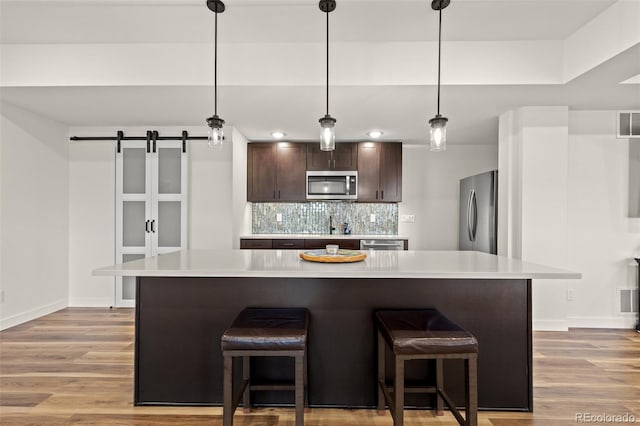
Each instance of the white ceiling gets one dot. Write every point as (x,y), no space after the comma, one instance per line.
(152,21)
(402,111)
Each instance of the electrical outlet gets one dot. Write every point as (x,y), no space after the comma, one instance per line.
(372,218)
(571,294)
(278,217)
(1,296)
(408,218)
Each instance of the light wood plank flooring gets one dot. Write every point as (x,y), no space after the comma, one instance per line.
(75,367)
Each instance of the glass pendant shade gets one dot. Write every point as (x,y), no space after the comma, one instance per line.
(438,133)
(327,133)
(215,134)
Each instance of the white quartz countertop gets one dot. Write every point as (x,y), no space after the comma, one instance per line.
(378,264)
(324,236)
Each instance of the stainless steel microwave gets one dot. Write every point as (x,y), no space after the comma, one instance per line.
(332,185)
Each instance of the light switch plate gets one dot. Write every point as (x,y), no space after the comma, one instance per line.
(372,218)
(278,217)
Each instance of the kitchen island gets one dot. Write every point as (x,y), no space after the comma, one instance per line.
(186,299)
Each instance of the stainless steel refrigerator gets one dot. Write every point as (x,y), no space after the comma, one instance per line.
(478,229)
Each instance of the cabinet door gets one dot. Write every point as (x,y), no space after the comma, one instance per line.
(316,158)
(345,157)
(288,244)
(368,172)
(391,172)
(322,243)
(261,172)
(291,171)
(248,243)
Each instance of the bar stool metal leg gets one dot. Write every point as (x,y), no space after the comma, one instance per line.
(306,383)
(227,403)
(246,376)
(299,389)
(471,390)
(439,387)
(381,374)
(398,392)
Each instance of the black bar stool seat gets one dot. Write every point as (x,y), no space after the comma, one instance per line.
(265,332)
(424,334)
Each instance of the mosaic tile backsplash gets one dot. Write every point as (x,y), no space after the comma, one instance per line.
(313,218)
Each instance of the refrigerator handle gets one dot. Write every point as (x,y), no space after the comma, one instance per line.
(469,216)
(475,215)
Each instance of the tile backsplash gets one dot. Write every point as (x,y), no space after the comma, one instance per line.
(313,218)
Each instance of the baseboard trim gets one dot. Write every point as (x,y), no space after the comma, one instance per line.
(625,322)
(91,302)
(32,314)
(550,325)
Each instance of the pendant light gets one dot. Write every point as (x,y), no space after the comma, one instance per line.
(438,131)
(215,123)
(327,123)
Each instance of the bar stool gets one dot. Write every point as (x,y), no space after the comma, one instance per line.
(424,334)
(271,332)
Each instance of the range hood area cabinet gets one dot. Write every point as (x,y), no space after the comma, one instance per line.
(379,172)
(276,172)
(344,157)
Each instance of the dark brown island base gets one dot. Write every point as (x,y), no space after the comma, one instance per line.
(185,301)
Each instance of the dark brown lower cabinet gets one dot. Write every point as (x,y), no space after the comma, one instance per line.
(255,243)
(297,244)
(284,244)
(342,243)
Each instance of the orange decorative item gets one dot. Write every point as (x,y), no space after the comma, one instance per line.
(343,256)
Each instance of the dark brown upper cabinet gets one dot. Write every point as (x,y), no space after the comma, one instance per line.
(379,172)
(276,172)
(344,157)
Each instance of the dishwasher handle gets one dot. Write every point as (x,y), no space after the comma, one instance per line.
(382,244)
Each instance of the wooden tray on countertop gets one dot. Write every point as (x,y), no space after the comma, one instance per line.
(343,256)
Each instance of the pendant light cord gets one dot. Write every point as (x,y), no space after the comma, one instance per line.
(439,48)
(327,13)
(215,66)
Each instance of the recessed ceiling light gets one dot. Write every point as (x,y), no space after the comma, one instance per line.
(278,135)
(375,133)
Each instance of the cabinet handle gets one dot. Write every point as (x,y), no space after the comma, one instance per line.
(376,194)
(288,244)
(153,228)
(334,164)
(146,226)
(382,194)
(278,194)
(274,194)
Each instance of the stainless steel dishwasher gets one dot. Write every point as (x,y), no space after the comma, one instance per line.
(382,244)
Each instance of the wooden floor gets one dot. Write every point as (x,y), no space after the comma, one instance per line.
(75,367)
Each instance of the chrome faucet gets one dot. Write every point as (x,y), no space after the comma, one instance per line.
(331,227)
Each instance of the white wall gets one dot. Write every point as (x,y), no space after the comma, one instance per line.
(92,179)
(35,216)
(210,194)
(544,207)
(602,238)
(571,175)
(532,199)
(92,220)
(431,188)
(241,208)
